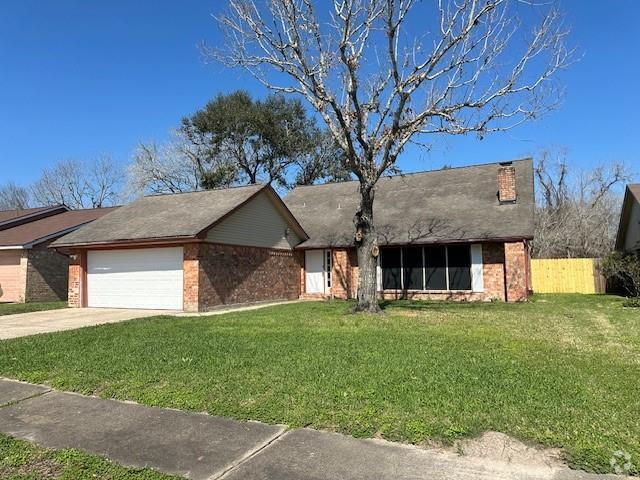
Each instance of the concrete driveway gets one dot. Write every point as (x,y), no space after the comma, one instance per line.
(23,324)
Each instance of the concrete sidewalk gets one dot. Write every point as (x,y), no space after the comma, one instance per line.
(203,447)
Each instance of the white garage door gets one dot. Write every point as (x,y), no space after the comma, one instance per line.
(135,278)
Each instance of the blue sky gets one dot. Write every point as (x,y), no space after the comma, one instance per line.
(81,78)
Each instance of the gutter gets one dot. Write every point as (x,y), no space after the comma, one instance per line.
(438,242)
(127,243)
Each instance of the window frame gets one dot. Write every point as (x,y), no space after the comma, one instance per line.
(328,267)
(424,269)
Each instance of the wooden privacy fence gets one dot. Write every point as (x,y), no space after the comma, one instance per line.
(567,275)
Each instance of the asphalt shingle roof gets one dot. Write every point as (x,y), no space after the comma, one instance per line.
(457,204)
(182,215)
(48,227)
(11,214)
(13,217)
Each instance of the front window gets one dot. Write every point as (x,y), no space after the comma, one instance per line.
(426,268)
(459,267)
(436,268)
(391,263)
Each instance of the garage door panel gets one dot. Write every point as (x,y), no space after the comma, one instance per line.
(135,278)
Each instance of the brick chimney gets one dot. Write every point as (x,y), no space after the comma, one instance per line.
(507,183)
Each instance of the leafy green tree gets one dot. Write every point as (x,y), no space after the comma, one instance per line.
(251,141)
(323,162)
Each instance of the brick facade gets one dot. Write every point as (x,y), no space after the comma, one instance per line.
(507,184)
(493,271)
(46,275)
(215,275)
(344,273)
(236,275)
(502,262)
(516,268)
(191,277)
(77,273)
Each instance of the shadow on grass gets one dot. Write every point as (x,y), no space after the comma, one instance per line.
(435,304)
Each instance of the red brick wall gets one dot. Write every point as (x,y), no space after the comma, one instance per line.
(47,276)
(493,271)
(191,277)
(344,273)
(234,275)
(515,256)
(507,184)
(496,268)
(340,273)
(77,268)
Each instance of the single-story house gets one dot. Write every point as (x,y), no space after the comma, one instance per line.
(628,238)
(456,233)
(29,271)
(187,251)
(460,233)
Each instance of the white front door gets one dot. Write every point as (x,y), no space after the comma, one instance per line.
(314,266)
(135,278)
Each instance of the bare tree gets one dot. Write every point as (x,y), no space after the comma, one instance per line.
(476,66)
(171,167)
(79,184)
(577,211)
(14,197)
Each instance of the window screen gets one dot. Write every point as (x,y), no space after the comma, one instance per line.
(390,264)
(412,266)
(436,268)
(459,267)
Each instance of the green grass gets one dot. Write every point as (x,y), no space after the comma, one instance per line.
(21,460)
(11,308)
(560,370)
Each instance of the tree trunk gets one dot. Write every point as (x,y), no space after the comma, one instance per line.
(367,248)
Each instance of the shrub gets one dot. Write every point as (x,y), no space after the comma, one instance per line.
(633,302)
(623,269)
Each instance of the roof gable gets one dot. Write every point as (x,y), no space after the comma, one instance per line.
(458,204)
(263,221)
(165,217)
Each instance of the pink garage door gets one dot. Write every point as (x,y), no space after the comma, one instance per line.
(9,275)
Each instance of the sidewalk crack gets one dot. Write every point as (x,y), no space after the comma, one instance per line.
(15,402)
(248,456)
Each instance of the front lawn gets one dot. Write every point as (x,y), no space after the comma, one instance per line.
(561,370)
(24,461)
(11,308)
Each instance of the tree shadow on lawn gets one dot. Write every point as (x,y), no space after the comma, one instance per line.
(436,305)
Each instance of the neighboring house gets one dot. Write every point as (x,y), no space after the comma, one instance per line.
(187,251)
(628,238)
(29,271)
(459,233)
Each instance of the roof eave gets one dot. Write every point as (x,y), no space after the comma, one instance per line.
(517,238)
(128,242)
